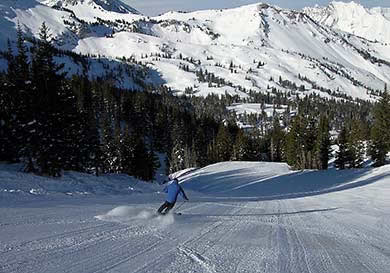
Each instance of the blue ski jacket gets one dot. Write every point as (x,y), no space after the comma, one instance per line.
(173,189)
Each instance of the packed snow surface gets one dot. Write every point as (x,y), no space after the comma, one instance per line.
(241,217)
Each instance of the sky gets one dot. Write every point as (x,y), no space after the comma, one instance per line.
(156,7)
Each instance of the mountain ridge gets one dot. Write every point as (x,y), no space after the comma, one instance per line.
(352,17)
(256,48)
(108,5)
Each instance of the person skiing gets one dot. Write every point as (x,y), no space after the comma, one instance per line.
(173,189)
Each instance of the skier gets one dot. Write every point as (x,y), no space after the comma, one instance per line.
(173,189)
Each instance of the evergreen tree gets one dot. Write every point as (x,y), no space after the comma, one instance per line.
(8,147)
(88,145)
(16,95)
(212,153)
(277,138)
(22,75)
(323,143)
(178,153)
(144,162)
(309,142)
(189,157)
(343,154)
(127,150)
(109,146)
(241,149)
(200,147)
(24,93)
(356,144)
(380,132)
(294,143)
(52,101)
(223,144)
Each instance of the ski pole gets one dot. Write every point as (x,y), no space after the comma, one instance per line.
(179,206)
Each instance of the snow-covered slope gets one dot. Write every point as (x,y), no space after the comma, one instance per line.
(241,217)
(256,47)
(30,14)
(90,10)
(103,5)
(372,24)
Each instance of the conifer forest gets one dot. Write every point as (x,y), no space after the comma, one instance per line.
(52,122)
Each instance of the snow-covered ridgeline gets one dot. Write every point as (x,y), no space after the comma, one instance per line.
(263,44)
(372,24)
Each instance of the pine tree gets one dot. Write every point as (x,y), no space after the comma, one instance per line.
(54,132)
(277,138)
(143,163)
(16,95)
(241,150)
(127,150)
(223,144)
(88,146)
(7,145)
(200,147)
(21,61)
(309,142)
(356,144)
(380,132)
(7,106)
(343,154)
(178,154)
(109,148)
(323,143)
(294,143)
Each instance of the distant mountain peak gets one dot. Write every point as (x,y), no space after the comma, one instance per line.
(372,24)
(108,5)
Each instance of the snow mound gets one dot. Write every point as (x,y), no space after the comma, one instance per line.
(268,181)
(17,185)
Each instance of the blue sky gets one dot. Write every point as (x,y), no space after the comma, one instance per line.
(155,7)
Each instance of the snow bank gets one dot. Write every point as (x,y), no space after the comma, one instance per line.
(266,180)
(221,181)
(17,185)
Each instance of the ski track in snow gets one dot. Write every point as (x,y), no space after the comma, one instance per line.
(346,231)
(269,236)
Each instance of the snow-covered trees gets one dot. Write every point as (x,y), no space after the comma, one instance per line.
(53,123)
(55,119)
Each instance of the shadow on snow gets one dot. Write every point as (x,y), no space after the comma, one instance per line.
(235,186)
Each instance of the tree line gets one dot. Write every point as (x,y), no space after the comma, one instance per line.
(52,123)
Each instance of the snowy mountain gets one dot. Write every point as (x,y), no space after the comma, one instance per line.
(372,24)
(92,8)
(103,5)
(259,48)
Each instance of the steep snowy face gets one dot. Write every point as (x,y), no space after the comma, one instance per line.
(30,14)
(107,5)
(252,25)
(372,24)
